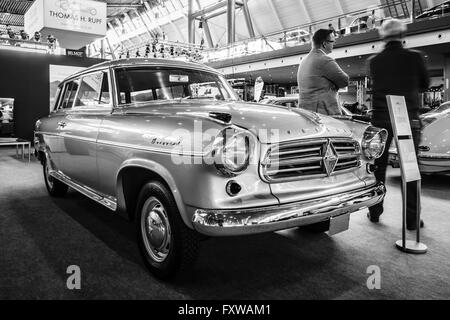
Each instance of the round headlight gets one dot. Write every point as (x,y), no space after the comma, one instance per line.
(373,143)
(232,151)
(235,153)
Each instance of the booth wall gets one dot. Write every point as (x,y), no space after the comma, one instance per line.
(24,76)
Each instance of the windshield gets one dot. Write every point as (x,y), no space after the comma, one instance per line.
(146,84)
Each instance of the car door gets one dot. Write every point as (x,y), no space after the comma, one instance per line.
(81,124)
(51,129)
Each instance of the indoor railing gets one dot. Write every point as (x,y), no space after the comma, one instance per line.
(343,25)
(354,22)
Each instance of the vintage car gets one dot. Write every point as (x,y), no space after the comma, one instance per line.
(141,137)
(295,37)
(436,11)
(291,101)
(288,101)
(434,149)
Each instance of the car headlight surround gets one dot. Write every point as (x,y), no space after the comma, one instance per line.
(231,151)
(374,142)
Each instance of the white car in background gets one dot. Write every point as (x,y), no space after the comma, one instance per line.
(357,25)
(289,101)
(443,108)
(296,37)
(434,149)
(436,11)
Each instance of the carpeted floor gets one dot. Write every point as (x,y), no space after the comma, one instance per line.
(41,236)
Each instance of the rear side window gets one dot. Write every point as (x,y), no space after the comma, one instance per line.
(70,91)
(94,90)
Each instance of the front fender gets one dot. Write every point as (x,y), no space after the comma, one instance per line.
(158,169)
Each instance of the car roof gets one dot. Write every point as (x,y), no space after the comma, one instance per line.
(136,62)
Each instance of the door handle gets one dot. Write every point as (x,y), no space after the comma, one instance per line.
(62,124)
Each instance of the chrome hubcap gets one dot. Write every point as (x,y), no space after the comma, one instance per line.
(155,229)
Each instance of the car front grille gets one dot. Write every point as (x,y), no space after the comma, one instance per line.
(310,158)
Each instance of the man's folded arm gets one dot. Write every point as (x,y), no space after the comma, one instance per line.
(335,74)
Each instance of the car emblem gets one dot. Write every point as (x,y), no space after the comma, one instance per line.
(330,159)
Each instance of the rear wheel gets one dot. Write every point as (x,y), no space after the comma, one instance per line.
(166,243)
(54,187)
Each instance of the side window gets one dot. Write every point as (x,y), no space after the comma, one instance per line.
(69,94)
(57,99)
(94,90)
(104,94)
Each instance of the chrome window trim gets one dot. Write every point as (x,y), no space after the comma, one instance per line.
(136,66)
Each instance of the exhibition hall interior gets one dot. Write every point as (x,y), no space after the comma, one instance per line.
(225,150)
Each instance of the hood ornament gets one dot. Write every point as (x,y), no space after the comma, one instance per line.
(330,158)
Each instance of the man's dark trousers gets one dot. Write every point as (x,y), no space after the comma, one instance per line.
(382,162)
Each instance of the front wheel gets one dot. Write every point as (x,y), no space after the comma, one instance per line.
(54,187)
(166,243)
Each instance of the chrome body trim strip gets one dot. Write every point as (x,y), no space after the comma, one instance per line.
(438,157)
(265,219)
(122,145)
(109,202)
(144,148)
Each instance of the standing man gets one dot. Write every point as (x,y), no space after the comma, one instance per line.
(320,77)
(402,72)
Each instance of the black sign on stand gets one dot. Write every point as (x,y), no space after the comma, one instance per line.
(408,165)
(76,53)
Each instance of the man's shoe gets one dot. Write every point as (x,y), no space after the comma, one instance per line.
(376,210)
(373,218)
(414,227)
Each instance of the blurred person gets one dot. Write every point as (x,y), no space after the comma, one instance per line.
(330,27)
(320,77)
(402,72)
(51,43)
(24,35)
(371,21)
(37,36)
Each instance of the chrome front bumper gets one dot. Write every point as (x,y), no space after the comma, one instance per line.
(266,219)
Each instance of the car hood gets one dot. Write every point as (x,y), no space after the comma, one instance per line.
(270,123)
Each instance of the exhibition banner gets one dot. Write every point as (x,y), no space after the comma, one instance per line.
(76,15)
(66,19)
